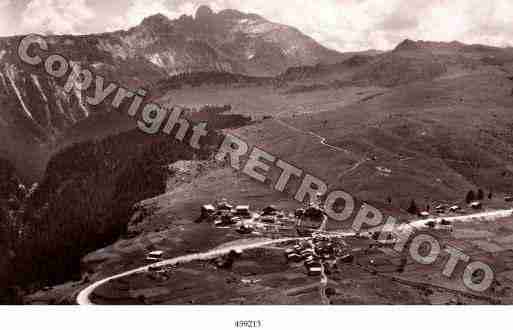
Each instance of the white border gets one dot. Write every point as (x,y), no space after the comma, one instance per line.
(272,317)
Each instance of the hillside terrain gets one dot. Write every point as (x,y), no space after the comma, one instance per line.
(37,111)
(426,121)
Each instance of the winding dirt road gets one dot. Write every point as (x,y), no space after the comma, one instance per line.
(322,139)
(83,298)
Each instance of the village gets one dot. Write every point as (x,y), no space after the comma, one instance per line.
(312,248)
(298,253)
(316,248)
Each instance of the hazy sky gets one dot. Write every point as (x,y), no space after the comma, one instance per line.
(340,24)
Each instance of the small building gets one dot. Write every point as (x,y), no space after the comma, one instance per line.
(243,211)
(268,219)
(294,257)
(445,222)
(454,208)
(307,253)
(441,208)
(156,268)
(155,256)
(312,264)
(444,228)
(226,220)
(431,224)
(314,271)
(424,214)
(270,210)
(224,207)
(245,229)
(314,212)
(299,213)
(476,205)
(207,210)
(236,253)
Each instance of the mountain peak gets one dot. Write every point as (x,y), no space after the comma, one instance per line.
(407,44)
(225,40)
(156,20)
(235,14)
(204,12)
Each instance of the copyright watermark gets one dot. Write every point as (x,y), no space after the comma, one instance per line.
(254,162)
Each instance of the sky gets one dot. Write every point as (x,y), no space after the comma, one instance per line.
(344,25)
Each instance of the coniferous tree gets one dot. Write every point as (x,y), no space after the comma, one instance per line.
(413,209)
(480,194)
(470,197)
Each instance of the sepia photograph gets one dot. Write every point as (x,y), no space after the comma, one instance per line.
(290,155)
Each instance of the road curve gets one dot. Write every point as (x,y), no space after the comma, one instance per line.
(83,298)
(324,141)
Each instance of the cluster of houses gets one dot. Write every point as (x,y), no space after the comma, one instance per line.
(443,208)
(321,247)
(225,214)
(304,221)
(440,225)
(310,220)
(317,251)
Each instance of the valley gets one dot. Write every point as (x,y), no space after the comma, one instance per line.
(423,123)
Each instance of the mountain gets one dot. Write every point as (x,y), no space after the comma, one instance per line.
(411,61)
(426,120)
(226,41)
(159,54)
(37,112)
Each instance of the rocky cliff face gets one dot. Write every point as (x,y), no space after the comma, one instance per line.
(226,41)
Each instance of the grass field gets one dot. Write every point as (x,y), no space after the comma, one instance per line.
(263,276)
(442,126)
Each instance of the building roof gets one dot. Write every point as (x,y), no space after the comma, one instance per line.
(270,208)
(224,206)
(313,212)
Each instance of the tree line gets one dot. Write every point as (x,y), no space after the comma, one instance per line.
(83,203)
